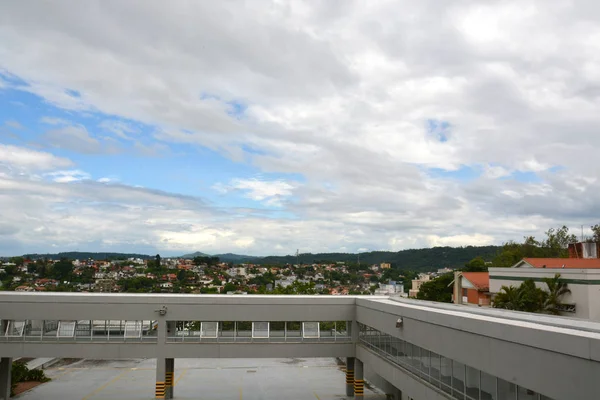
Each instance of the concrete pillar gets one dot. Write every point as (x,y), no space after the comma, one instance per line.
(170,364)
(359,380)
(354,331)
(350,376)
(170,368)
(5,370)
(161,379)
(161,362)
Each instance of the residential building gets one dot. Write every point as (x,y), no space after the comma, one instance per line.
(474,288)
(416,284)
(392,288)
(582,276)
(385,265)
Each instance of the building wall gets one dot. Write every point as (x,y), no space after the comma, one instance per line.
(583,283)
(510,350)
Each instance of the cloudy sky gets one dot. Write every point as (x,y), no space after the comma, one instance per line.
(264,127)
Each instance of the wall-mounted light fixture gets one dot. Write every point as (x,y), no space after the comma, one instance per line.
(162,310)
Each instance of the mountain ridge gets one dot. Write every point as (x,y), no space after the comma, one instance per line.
(411,259)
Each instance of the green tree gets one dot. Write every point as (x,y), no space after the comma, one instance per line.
(229,287)
(596,233)
(556,290)
(41,267)
(437,289)
(157,260)
(532,297)
(10,270)
(528,297)
(554,245)
(475,265)
(17,260)
(181,275)
(557,241)
(62,270)
(509,298)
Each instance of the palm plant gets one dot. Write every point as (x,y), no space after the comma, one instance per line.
(509,297)
(556,290)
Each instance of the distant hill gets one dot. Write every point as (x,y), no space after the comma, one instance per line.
(196,254)
(413,259)
(82,255)
(236,258)
(226,257)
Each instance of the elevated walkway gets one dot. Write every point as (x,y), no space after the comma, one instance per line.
(425,350)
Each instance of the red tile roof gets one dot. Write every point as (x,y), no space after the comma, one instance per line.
(576,263)
(481,280)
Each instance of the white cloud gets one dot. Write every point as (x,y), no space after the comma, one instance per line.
(76,138)
(23,159)
(494,172)
(271,192)
(54,121)
(119,128)
(342,97)
(68,176)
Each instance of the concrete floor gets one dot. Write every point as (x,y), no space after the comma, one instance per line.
(198,379)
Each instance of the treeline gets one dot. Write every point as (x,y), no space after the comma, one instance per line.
(413,259)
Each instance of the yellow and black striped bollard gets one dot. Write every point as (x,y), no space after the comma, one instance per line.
(160,390)
(359,388)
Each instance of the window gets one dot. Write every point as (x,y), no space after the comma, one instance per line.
(506,390)
(435,369)
(458,378)
(488,387)
(446,374)
(15,328)
(472,383)
(310,330)
(455,378)
(66,328)
(465,292)
(260,329)
(133,329)
(209,329)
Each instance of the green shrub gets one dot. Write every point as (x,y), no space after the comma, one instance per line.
(20,373)
(37,375)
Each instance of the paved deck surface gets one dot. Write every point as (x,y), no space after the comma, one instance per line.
(198,379)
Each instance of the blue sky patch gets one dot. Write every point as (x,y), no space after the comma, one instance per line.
(438,129)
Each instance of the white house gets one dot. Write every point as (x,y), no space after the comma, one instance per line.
(582,276)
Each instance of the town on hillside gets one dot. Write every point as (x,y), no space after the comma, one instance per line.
(558,275)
